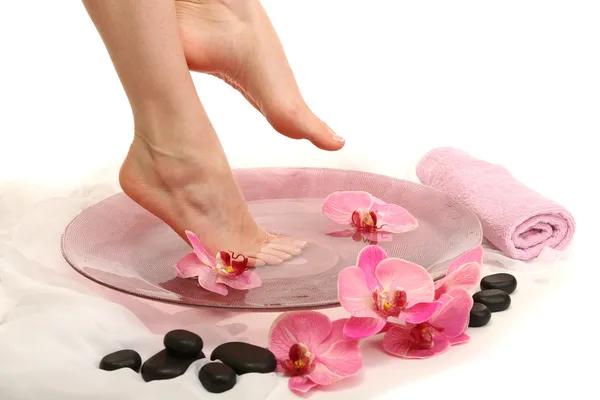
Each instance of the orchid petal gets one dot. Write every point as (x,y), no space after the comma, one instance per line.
(336,334)
(475,255)
(377,201)
(368,259)
(300,384)
(189,266)
(361,328)
(420,312)
(453,317)
(253,279)
(395,219)
(397,342)
(308,327)
(354,294)
(388,325)
(344,233)
(248,280)
(438,284)
(208,280)
(393,273)
(456,292)
(339,206)
(341,360)
(203,255)
(465,277)
(460,339)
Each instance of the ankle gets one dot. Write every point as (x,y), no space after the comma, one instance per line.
(177,164)
(175,130)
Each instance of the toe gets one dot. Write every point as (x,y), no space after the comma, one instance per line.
(269,259)
(290,249)
(255,262)
(276,253)
(288,241)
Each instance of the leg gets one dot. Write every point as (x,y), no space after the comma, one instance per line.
(254,63)
(176,167)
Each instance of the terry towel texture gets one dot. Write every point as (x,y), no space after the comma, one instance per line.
(515,219)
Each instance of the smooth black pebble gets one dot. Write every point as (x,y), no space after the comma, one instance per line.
(480,315)
(121,359)
(244,358)
(495,299)
(163,366)
(184,344)
(217,377)
(505,282)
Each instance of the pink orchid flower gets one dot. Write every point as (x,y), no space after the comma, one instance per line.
(313,350)
(368,215)
(444,329)
(379,288)
(464,272)
(216,273)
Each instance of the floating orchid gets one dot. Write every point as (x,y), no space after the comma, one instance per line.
(444,329)
(464,272)
(367,215)
(379,288)
(313,350)
(216,273)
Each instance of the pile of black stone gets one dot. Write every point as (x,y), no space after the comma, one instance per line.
(182,348)
(493,297)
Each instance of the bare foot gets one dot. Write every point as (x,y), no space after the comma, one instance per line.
(234,40)
(192,188)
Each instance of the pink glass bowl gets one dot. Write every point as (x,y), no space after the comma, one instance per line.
(120,245)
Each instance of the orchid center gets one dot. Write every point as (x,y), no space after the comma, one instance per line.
(364,219)
(300,361)
(421,336)
(390,303)
(229,265)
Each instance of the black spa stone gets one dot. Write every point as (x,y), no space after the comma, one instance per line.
(244,358)
(495,299)
(480,315)
(121,359)
(217,377)
(163,366)
(503,281)
(183,344)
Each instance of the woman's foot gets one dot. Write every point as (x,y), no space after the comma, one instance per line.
(185,180)
(234,40)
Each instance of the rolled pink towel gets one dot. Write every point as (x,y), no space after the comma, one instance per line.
(515,219)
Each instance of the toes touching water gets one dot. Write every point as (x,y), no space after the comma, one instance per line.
(176,168)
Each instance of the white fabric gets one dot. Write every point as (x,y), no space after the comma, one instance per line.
(514,82)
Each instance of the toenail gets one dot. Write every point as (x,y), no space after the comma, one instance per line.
(300,243)
(336,137)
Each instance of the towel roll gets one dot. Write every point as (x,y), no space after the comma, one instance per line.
(515,219)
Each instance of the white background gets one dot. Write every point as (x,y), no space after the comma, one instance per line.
(513,82)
